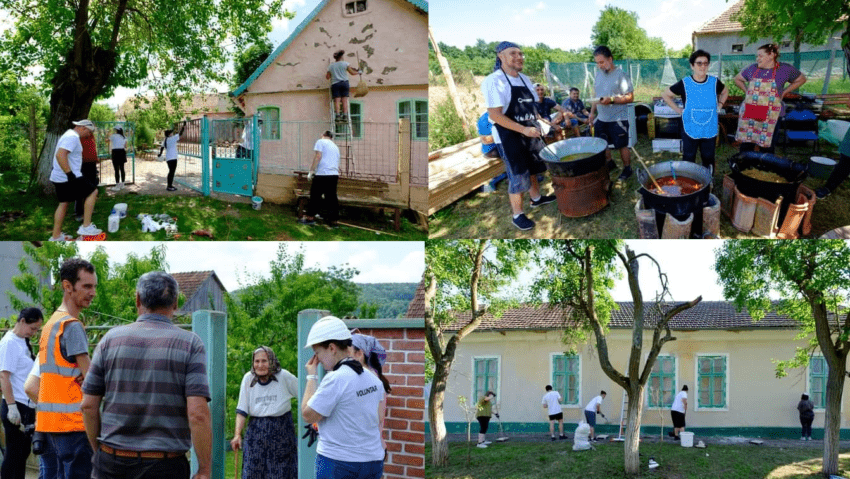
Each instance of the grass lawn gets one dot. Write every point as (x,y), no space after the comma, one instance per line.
(30,217)
(480,215)
(547,460)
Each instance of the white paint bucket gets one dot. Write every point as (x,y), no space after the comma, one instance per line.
(120,209)
(687,439)
(114,220)
(256,202)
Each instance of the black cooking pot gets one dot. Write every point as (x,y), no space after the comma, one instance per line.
(678,206)
(794,173)
(595,147)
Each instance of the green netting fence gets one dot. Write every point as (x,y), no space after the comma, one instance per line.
(826,71)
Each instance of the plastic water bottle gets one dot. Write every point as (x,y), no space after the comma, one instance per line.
(114,220)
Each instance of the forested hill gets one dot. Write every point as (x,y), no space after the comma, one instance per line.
(392,299)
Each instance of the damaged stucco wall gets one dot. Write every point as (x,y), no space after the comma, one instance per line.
(390,39)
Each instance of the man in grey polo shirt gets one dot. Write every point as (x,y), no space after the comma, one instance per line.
(614,91)
(151,378)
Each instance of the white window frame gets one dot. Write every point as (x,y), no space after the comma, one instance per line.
(809,381)
(347,15)
(578,403)
(675,379)
(498,391)
(697,385)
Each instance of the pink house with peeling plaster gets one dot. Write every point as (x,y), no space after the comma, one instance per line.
(389,38)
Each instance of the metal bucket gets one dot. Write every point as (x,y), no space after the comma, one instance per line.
(553,153)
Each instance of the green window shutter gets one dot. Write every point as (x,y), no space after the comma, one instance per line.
(711,371)
(565,377)
(486,374)
(817,381)
(270,129)
(662,382)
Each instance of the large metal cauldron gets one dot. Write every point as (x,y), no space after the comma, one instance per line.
(794,174)
(678,206)
(594,147)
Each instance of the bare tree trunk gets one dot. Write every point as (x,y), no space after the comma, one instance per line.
(631,448)
(832,420)
(439,441)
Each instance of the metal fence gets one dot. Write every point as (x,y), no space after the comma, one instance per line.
(651,77)
(191,171)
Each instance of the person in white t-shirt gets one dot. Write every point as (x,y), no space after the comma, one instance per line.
(118,147)
(594,407)
(338,75)
(324,176)
(345,405)
(264,396)
(67,178)
(552,402)
(372,356)
(678,410)
(18,411)
(48,463)
(169,145)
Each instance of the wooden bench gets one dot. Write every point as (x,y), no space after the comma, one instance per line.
(354,192)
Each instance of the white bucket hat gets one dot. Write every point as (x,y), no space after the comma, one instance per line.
(86,123)
(327,328)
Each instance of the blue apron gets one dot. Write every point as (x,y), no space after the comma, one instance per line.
(699,117)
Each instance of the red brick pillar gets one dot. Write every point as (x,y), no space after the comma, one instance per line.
(405,423)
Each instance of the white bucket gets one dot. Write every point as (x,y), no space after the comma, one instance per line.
(120,209)
(256,202)
(687,439)
(114,220)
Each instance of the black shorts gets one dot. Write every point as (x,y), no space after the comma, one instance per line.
(616,133)
(678,419)
(484,423)
(78,189)
(556,417)
(340,89)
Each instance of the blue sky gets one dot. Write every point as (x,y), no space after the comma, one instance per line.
(566,25)
(378,262)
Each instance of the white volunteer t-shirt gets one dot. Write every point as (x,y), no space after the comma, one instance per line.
(497,92)
(36,369)
(350,430)
(69,141)
(329,163)
(170,144)
(552,400)
(269,400)
(117,141)
(591,406)
(679,403)
(15,358)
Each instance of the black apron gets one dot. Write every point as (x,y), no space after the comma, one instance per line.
(521,151)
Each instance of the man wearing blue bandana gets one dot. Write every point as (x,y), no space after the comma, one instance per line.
(510,104)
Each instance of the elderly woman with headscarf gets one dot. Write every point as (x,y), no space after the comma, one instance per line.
(270,442)
(372,356)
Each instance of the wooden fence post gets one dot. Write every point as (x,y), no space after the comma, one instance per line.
(404,155)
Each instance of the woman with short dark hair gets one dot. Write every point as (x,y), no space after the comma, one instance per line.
(807,415)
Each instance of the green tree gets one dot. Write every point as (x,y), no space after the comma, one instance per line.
(577,276)
(265,312)
(618,30)
(464,280)
(87,49)
(101,112)
(780,20)
(811,278)
(249,60)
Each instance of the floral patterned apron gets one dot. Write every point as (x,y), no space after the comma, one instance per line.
(761,93)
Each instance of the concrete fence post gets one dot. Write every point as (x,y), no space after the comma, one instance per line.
(211,326)
(306,455)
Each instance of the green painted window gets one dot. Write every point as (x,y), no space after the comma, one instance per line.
(355,109)
(417,112)
(711,379)
(486,376)
(817,381)
(565,377)
(661,389)
(270,129)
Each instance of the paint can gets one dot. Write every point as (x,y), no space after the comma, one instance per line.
(256,202)
(687,439)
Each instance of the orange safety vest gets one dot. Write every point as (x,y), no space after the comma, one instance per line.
(59,395)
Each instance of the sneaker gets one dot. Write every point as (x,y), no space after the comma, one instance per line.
(652,464)
(305,221)
(523,223)
(543,200)
(89,230)
(809,438)
(482,445)
(554,439)
(676,438)
(562,437)
(611,165)
(803,438)
(486,443)
(627,172)
(171,188)
(120,186)
(62,237)
(671,433)
(822,192)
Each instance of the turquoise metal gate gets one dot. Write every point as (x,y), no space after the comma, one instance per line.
(235,146)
